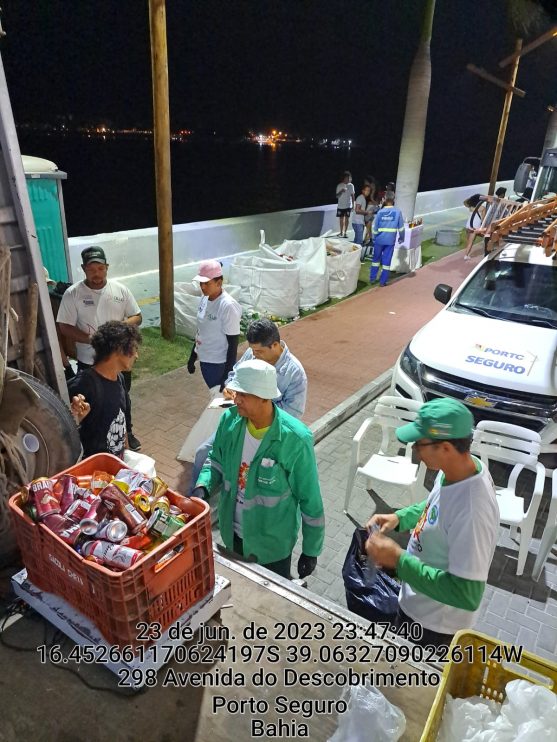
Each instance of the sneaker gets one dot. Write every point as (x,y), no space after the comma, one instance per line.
(134,443)
(466,257)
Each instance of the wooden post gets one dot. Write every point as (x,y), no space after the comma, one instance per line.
(504,121)
(161,126)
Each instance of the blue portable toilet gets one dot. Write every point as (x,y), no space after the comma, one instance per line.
(44,185)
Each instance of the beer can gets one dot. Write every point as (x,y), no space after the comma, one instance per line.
(77,510)
(71,533)
(97,510)
(175,510)
(89,526)
(158,487)
(160,503)
(99,481)
(112,555)
(31,511)
(123,486)
(86,494)
(139,541)
(163,525)
(118,504)
(112,530)
(141,500)
(66,488)
(41,492)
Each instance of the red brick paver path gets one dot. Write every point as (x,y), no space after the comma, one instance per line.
(342,348)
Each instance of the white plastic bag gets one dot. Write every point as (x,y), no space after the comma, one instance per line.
(528,714)
(369,717)
(205,426)
(140,462)
(187,296)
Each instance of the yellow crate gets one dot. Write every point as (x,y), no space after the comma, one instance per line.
(482,672)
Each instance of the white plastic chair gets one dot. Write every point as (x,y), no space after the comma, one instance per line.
(519,447)
(549,536)
(390,413)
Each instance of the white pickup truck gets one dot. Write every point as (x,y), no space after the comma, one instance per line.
(494,344)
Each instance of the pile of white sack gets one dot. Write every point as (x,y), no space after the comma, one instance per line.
(528,714)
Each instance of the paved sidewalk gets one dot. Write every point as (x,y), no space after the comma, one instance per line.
(342,349)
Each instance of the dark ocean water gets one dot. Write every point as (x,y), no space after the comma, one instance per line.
(110,184)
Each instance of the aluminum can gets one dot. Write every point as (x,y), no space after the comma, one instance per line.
(66,488)
(163,525)
(77,510)
(175,510)
(160,503)
(139,541)
(41,493)
(89,527)
(112,555)
(65,529)
(141,500)
(112,530)
(99,481)
(123,486)
(97,510)
(118,504)
(85,494)
(158,487)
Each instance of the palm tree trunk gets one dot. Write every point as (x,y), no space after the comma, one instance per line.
(415,118)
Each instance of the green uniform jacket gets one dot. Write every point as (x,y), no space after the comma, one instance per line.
(282,487)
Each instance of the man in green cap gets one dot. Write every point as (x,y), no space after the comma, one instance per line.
(453,533)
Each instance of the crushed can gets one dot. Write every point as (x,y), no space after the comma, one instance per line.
(163,525)
(112,555)
(112,530)
(41,494)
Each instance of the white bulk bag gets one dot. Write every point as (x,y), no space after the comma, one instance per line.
(268,283)
(187,296)
(186,303)
(311,256)
(343,261)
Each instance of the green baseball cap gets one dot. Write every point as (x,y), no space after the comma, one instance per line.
(441,419)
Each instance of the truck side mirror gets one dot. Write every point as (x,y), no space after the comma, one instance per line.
(521,177)
(443,293)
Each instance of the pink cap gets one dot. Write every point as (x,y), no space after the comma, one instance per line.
(208,270)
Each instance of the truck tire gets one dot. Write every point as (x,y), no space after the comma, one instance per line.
(52,423)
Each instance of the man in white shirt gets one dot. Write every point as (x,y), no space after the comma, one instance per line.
(90,303)
(445,566)
(345,200)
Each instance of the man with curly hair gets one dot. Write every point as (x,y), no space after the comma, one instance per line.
(100,401)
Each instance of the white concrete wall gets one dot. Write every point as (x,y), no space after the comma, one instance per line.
(136,251)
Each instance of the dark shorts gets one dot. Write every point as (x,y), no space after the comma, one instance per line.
(343,212)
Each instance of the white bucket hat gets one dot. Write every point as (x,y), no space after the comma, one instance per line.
(256,377)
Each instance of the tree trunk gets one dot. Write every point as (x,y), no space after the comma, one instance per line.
(551,133)
(415,118)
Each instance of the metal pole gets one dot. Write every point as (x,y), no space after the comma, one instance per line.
(161,125)
(504,121)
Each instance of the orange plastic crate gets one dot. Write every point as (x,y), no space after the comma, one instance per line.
(149,591)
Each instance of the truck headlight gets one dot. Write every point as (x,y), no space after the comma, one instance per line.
(410,364)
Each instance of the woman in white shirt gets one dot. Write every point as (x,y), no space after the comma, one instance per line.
(218,327)
(359,214)
(474,222)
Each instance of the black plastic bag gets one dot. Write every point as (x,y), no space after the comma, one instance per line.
(370,592)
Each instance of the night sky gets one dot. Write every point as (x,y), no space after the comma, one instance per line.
(319,68)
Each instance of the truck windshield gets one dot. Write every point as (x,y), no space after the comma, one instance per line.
(512,291)
(547,183)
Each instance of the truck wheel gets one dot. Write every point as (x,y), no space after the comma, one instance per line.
(59,447)
(51,422)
